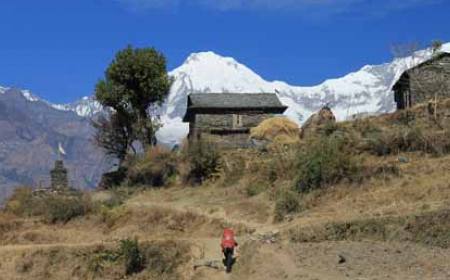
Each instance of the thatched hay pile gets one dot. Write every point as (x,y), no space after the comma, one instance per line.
(278,130)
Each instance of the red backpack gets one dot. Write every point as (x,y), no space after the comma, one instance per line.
(228,240)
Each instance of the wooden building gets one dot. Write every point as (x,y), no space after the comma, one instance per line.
(226,118)
(426,81)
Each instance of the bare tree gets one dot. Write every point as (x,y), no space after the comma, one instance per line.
(436,46)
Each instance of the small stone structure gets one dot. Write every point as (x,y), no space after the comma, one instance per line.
(226,118)
(426,81)
(59,179)
(317,122)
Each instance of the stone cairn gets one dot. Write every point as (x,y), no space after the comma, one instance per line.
(59,180)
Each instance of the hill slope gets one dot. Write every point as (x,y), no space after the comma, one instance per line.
(364,91)
(30,133)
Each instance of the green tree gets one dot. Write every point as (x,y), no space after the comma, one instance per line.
(135,83)
(112,134)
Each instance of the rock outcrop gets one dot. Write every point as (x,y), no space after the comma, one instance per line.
(317,122)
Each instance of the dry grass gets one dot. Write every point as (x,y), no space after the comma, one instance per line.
(397,200)
(162,260)
(278,130)
(155,168)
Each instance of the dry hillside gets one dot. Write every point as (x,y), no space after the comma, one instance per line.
(367,199)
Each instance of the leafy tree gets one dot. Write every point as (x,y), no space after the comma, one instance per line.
(113,135)
(135,83)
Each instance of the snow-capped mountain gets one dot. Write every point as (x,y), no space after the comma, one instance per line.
(85,107)
(366,91)
(31,127)
(31,131)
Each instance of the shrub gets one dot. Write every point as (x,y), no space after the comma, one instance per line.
(154,168)
(287,203)
(21,202)
(164,258)
(134,261)
(233,168)
(255,188)
(53,207)
(113,179)
(155,260)
(203,160)
(61,208)
(408,139)
(324,162)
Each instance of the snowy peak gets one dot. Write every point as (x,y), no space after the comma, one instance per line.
(29,96)
(210,72)
(25,93)
(3,90)
(367,90)
(85,107)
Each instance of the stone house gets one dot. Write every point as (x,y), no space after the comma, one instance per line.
(226,118)
(424,82)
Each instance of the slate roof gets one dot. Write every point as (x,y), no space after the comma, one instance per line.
(198,102)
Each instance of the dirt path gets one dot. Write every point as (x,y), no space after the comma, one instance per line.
(253,226)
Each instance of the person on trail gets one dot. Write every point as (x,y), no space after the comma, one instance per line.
(228,245)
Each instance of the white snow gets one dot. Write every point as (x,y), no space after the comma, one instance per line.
(29,96)
(366,91)
(3,90)
(85,107)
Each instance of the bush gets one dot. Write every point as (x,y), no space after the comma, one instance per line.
(409,139)
(255,188)
(155,260)
(113,179)
(53,207)
(155,168)
(232,168)
(134,261)
(287,203)
(61,208)
(322,162)
(164,258)
(203,161)
(21,202)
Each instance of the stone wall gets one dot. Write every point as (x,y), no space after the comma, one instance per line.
(232,140)
(226,130)
(430,79)
(213,121)
(226,121)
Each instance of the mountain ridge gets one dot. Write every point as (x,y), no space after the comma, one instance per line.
(365,91)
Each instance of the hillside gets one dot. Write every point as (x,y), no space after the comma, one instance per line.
(366,91)
(30,133)
(382,212)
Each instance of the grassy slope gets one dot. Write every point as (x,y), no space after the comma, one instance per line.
(386,227)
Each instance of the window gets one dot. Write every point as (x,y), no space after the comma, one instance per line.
(237,120)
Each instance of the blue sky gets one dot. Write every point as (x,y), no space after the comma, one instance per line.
(60,48)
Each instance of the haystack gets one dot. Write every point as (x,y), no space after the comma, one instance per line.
(278,130)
